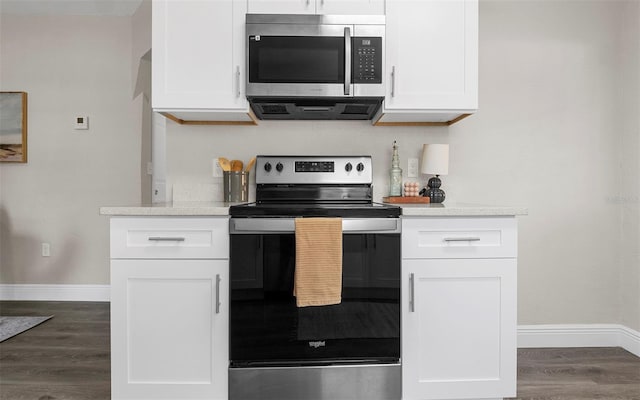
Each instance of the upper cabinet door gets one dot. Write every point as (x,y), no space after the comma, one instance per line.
(350,7)
(281,6)
(432,55)
(198,55)
(335,7)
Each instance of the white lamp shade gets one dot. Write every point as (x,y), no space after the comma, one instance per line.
(435,159)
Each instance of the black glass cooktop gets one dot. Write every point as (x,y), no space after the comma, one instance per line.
(343,210)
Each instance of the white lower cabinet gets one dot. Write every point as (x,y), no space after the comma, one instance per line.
(458,313)
(170,311)
(169,317)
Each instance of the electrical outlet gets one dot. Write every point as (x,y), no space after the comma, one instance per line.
(217,169)
(46,249)
(412,168)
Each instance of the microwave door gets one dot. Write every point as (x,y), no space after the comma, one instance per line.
(309,61)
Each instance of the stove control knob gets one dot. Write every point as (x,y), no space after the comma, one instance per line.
(267,166)
(348,167)
(279,167)
(360,167)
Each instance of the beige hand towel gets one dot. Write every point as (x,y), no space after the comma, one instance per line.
(318,274)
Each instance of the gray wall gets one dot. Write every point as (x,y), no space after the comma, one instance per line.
(69,66)
(557,131)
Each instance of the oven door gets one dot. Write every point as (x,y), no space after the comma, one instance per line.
(268,330)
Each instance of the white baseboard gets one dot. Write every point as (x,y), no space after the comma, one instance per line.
(630,340)
(55,292)
(589,335)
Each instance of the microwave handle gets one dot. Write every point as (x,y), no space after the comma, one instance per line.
(347,61)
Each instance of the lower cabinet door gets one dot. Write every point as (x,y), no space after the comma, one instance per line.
(169,329)
(458,328)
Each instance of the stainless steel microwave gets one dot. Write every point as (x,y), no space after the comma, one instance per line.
(316,61)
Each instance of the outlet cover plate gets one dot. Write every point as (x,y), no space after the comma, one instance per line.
(217,169)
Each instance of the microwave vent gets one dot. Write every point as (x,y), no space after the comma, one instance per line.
(274,109)
(315,108)
(356,109)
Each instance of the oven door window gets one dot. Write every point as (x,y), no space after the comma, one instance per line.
(267,329)
(296,59)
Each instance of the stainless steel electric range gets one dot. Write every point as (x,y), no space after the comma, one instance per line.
(346,351)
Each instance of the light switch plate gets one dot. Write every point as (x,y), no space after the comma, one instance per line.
(412,168)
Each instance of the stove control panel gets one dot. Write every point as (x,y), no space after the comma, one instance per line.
(313,170)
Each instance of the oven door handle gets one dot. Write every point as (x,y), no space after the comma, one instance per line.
(287,225)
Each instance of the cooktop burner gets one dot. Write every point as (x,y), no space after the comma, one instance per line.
(369,210)
(314,186)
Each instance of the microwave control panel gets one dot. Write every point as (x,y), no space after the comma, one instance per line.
(367,59)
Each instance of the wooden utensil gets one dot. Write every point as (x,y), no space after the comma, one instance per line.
(224,164)
(236,165)
(250,164)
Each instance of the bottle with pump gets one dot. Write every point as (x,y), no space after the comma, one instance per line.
(395,186)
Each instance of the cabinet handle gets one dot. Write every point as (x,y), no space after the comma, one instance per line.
(412,298)
(238,80)
(347,61)
(461,239)
(218,293)
(393,81)
(166,239)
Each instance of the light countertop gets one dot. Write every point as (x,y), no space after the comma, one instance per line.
(184,208)
(460,209)
(195,208)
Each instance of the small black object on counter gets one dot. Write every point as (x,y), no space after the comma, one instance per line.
(433,191)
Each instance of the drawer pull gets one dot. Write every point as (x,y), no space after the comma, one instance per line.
(218,279)
(165,239)
(461,239)
(412,295)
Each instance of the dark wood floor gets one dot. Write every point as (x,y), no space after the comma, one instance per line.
(67,358)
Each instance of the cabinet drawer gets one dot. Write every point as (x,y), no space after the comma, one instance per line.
(170,237)
(436,237)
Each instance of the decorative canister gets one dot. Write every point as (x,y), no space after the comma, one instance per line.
(235,186)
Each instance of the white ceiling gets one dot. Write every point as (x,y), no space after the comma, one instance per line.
(70,7)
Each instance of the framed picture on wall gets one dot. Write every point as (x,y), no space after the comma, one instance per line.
(13,127)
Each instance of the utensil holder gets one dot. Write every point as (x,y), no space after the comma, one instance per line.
(235,186)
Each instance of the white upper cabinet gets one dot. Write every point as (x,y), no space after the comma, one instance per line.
(281,7)
(431,61)
(350,7)
(198,60)
(332,7)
